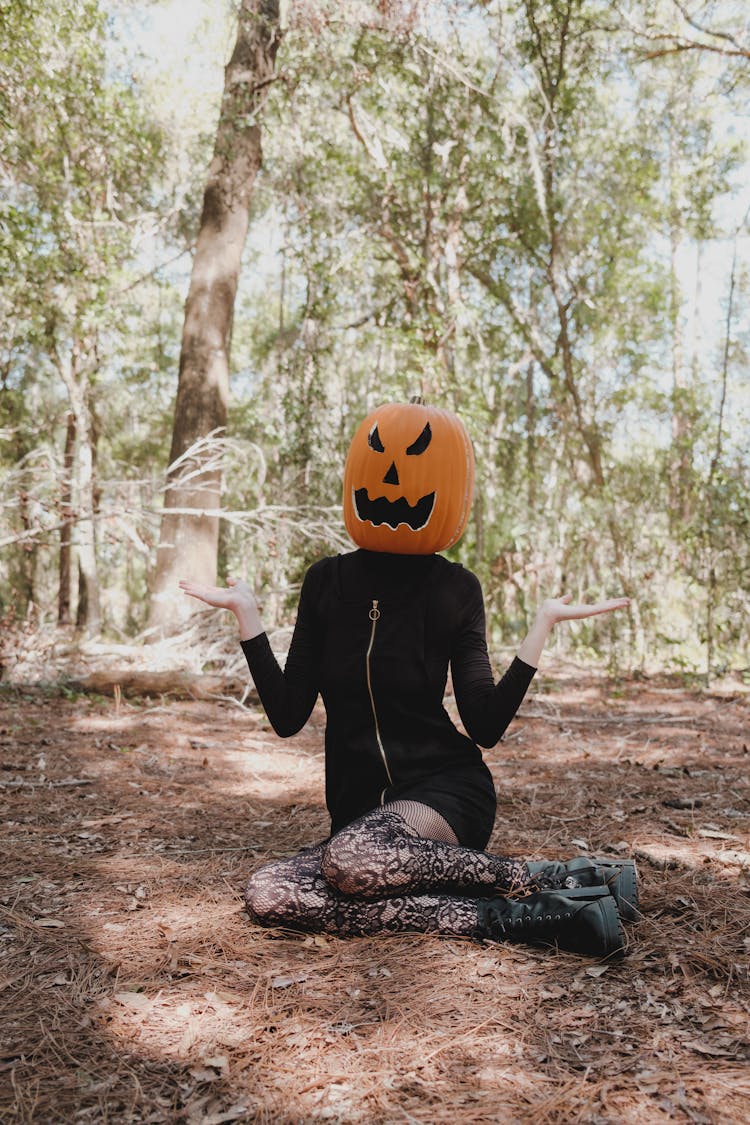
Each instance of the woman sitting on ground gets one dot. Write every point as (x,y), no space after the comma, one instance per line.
(412,803)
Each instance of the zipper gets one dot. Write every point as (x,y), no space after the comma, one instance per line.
(374,617)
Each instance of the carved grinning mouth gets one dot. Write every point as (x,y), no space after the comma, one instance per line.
(393,512)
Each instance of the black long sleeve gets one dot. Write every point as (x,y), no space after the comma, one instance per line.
(486,708)
(289,696)
(456,622)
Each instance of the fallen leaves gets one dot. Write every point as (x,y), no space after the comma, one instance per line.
(165,1000)
(287,981)
(135,1001)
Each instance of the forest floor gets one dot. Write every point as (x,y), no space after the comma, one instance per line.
(133,987)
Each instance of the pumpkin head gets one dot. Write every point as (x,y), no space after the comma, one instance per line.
(408,480)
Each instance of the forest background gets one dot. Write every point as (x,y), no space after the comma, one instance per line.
(533,213)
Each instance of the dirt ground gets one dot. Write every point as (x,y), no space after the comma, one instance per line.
(133,988)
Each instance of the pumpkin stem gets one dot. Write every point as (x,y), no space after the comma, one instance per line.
(416,400)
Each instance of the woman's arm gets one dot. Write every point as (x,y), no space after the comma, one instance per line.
(238,598)
(288,696)
(554,610)
(486,707)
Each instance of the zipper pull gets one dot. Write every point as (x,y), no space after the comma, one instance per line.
(374,612)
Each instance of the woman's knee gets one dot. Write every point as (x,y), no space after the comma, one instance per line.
(356,861)
(277,893)
(262,896)
(272,895)
(339,862)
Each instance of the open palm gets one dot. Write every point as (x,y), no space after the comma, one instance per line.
(235,595)
(564,609)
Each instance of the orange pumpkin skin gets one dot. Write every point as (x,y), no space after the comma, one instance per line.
(408,480)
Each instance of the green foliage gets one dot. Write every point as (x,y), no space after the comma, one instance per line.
(486,207)
(489,211)
(79,154)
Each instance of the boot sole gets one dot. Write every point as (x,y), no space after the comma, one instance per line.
(623,884)
(622,880)
(614,936)
(611,939)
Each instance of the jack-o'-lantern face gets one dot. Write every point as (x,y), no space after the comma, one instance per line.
(408,480)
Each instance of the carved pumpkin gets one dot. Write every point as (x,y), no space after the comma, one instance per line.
(408,480)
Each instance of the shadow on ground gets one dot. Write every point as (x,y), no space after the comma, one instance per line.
(135,989)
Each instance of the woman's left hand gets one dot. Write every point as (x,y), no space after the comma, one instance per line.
(563,609)
(560,609)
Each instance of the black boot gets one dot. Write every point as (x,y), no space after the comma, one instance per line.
(619,875)
(582,920)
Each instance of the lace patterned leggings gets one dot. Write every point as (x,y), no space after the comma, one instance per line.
(396,869)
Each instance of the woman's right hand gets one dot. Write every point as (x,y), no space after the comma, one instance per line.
(238,593)
(236,596)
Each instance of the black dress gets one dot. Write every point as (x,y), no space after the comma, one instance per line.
(375,635)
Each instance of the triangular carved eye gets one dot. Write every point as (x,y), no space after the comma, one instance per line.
(373,440)
(421,443)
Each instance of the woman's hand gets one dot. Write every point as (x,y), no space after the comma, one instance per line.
(554,610)
(560,609)
(237,597)
(236,593)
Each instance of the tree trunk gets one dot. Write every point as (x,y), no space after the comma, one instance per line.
(28,556)
(188,543)
(680,453)
(531,481)
(88,616)
(76,377)
(66,516)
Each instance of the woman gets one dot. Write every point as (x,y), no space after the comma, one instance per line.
(412,803)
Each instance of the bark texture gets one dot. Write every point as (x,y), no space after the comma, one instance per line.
(188,543)
(66,515)
(80,458)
